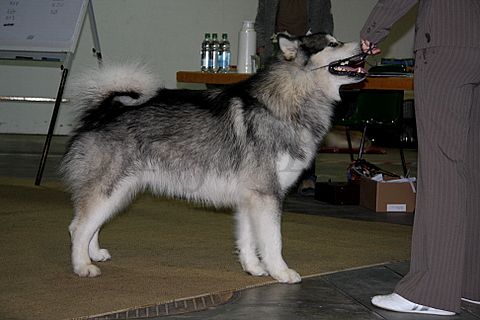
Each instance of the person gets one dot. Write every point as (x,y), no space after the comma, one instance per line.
(445,254)
(297,17)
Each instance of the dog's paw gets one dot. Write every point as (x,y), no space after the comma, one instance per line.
(286,276)
(100,255)
(256,270)
(88,270)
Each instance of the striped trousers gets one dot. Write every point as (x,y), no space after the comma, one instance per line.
(445,257)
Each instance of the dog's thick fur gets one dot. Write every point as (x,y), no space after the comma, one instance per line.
(241,146)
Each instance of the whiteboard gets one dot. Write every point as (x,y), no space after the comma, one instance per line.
(40,25)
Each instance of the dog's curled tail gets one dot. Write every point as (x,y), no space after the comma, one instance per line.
(130,84)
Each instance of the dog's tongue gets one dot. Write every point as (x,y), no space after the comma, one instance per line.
(358,67)
(360,70)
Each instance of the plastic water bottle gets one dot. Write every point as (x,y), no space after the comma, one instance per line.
(214,51)
(205,53)
(225,54)
(247,38)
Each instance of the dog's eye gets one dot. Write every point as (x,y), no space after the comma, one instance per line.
(333,44)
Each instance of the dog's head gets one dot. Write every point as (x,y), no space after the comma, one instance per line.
(324,55)
(308,70)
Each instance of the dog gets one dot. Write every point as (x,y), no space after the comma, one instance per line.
(241,146)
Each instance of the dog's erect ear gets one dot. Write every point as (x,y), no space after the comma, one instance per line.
(288,46)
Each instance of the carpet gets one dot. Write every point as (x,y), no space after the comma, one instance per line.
(162,249)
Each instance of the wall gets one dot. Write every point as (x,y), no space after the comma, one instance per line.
(165,34)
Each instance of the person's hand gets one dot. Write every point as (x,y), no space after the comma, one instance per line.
(369,48)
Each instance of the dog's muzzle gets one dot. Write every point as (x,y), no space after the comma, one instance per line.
(351,66)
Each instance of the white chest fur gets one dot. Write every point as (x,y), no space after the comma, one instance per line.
(289,168)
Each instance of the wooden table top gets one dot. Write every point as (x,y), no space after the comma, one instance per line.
(371,83)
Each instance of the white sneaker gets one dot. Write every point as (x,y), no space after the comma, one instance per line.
(471,301)
(395,302)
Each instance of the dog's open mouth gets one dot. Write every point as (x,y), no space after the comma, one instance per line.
(351,67)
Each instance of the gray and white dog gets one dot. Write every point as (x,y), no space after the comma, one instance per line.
(240,146)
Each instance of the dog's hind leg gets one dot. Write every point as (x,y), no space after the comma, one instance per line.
(90,214)
(84,226)
(94,250)
(246,244)
(265,214)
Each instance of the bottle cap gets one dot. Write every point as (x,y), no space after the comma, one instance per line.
(248,24)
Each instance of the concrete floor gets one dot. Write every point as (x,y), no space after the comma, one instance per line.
(340,295)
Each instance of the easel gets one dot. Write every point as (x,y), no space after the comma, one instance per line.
(19,47)
(65,67)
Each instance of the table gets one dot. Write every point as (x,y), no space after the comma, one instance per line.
(404,83)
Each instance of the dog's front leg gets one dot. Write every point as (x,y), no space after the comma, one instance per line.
(266,224)
(246,244)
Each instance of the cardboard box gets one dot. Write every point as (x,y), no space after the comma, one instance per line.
(386,196)
(341,193)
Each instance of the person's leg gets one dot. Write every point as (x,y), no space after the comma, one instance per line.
(307,181)
(443,93)
(471,275)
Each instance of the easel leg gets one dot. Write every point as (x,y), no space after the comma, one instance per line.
(51,127)
(56,108)
(93,26)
